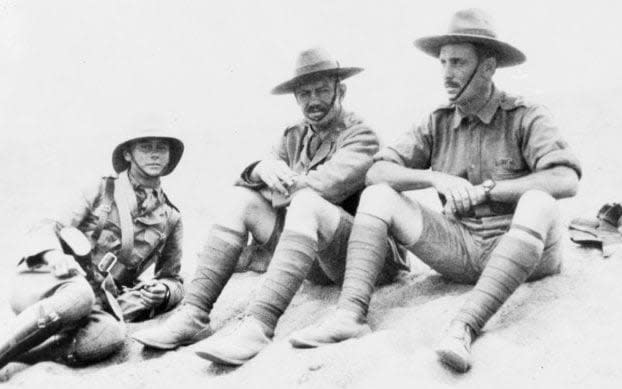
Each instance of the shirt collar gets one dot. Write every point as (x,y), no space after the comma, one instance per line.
(485,114)
(141,188)
(488,111)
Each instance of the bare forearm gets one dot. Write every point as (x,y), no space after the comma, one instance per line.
(398,177)
(559,182)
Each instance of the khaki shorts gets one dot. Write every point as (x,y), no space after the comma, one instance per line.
(459,254)
(330,264)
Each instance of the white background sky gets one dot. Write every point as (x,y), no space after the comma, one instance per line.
(74,73)
(86,66)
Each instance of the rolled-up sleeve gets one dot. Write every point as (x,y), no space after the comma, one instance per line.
(543,147)
(413,149)
(168,265)
(344,173)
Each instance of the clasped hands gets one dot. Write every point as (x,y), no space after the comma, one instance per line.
(278,176)
(460,195)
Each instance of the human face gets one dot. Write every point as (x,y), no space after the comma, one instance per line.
(317,99)
(459,62)
(148,157)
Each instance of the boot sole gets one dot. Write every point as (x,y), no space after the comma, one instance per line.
(169,346)
(298,343)
(160,346)
(301,343)
(218,359)
(453,360)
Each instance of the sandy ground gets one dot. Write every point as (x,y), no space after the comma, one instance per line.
(559,332)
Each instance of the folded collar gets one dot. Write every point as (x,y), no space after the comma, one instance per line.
(485,114)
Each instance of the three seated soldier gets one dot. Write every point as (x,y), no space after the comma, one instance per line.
(496,160)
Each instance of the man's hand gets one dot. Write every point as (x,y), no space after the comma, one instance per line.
(153,293)
(275,174)
(63,265)
(460,195)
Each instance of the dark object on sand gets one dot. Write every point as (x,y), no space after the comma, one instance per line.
(602,231)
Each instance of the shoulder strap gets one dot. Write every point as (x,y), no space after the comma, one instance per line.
(125,199)
(107,191)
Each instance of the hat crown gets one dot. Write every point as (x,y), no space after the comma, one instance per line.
(314,60)
(312,63)
(152,126)
(472,21)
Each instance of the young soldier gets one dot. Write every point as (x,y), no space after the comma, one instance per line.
(498,163)
(297,203)
(78,280)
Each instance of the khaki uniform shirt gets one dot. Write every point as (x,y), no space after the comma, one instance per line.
(509,138)
(158,235)
(336,170)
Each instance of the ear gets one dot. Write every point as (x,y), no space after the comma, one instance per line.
(489,67)
(127,155)
(342,91)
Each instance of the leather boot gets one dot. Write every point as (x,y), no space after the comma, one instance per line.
(454,350)
(339,326)
(235,347)
(187,325)
(28,329)
(56,348)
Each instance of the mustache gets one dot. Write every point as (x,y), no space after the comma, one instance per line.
(452,84)
(316,108)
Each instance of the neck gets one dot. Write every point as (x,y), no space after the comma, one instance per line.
(479,99)
(143,179)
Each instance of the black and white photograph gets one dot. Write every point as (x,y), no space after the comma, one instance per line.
(295,194)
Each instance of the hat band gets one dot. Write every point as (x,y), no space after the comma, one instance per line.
(475,31)
(318,66)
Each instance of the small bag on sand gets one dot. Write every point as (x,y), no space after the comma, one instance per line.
(602,231)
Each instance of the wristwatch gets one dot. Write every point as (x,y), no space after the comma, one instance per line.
(488,185)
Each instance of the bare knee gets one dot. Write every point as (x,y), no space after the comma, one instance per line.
(240,204)
(309,213)
(307,202)
(244,199)
(538,202)
(378,200)
(536,209)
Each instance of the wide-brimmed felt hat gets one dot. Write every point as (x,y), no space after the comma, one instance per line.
(176,147)
(314,63)
(472,26)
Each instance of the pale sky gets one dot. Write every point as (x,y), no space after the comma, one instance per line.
(74,73)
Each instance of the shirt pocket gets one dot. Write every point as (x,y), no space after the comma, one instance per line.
(508,168)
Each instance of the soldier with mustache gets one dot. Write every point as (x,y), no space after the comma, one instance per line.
(498,164)
(297,205)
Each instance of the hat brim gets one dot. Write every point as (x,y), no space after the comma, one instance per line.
(290,85)
(507,55)
(119,163)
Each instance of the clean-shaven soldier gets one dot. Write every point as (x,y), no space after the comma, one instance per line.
(498,163)
(297,203)
(78,279)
